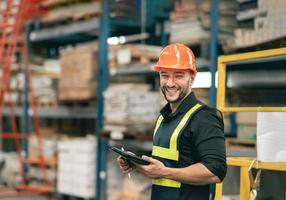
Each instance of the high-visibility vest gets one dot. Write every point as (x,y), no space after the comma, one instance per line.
(171,153)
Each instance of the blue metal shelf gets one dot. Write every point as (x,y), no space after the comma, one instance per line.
(58,112)
(73,28)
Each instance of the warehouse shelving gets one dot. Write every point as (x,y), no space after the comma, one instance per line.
(58,112)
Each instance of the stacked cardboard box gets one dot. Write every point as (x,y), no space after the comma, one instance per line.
(79,71)
(76,167)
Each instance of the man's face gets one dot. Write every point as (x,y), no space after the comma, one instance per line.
(175,84)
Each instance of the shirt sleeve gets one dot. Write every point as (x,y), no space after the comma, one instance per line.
(209,141)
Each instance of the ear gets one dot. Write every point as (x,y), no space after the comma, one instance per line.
(192,80)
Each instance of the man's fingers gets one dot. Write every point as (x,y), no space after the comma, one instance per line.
(125,167)
(149,159)
(127,170)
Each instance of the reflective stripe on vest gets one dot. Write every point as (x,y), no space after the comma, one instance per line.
(171,153)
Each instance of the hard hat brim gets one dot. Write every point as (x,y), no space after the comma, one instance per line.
(158,68)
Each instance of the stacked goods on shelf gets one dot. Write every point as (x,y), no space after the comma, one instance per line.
(268,24)
(60,11)
(76,167)
(48,150)
(44,80)
(185,25)
(78,73)
(126,55)
(79,66)
(9,169)
(226,20)
(131,108)
(44,86)
(16,85)
(48,147)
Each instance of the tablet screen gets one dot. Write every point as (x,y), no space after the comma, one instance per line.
(130,156)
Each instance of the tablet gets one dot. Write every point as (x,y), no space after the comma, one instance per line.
(130,156)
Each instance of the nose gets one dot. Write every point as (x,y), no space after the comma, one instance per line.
(170,81)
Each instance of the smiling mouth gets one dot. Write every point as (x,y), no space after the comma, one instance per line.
(171,90)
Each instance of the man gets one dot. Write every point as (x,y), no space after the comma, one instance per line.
(188,155)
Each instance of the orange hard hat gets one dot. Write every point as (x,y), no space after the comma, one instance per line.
(176,56)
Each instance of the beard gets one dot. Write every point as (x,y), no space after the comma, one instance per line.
(183,92)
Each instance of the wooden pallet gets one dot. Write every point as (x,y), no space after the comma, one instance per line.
(72,13)
(48,4)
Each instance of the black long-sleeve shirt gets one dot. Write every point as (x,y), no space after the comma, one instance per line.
(201,141)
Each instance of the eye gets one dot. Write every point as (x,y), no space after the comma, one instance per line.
(179,76)
(164,76)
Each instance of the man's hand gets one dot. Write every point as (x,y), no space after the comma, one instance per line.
(154,170)
(125,166)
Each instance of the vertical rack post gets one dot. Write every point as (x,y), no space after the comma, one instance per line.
(213,67)
(26,119)
(214,50)
(102,76)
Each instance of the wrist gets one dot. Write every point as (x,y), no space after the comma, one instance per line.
(168,172)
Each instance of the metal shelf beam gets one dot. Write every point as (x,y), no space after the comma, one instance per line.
(86,26)
(58,112)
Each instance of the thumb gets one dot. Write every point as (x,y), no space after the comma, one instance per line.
(147,158)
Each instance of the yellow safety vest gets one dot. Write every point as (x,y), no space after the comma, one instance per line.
(172,152)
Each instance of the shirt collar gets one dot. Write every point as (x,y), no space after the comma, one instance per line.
(186,104)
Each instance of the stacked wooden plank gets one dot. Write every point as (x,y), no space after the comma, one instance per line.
(185,26)
(190,22)
(269,25)
(131,108)
(65,11)
(79,71)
